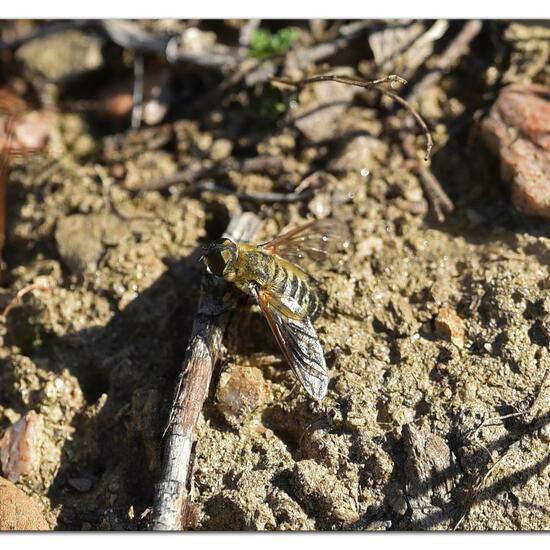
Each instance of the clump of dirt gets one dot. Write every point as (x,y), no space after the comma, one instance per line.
(436,334)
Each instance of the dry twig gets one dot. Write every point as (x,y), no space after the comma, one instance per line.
(11,108)
(378,84)
(191,175)
(448,58)
(260,197)
(172,492)
(440,201)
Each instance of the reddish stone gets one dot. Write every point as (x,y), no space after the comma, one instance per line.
(518,130)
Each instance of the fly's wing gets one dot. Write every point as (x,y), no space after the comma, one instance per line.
(315,242)
(299,343)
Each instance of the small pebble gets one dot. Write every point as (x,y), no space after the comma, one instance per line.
(398,503)
(544,433)
(78,240)
(62,56)
(221,149)
(19,446)
(80,484)
(240,391)
(321,109)
(449,325)
(369,246)
(360,154)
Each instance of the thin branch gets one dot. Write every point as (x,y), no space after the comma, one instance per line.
(440,201)
(260,197)
(301,59)
(448,58)
(246,34)
(378,84)
(137,96)
(341,79)
(190,175)
(172,493)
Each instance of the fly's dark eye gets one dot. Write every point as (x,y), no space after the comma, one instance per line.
(216,262)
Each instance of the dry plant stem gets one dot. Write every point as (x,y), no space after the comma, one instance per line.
(343,79)
(137,103)
(265,198)
(5,155)
(172,491)
(455,49)
(190,175)
(440,201)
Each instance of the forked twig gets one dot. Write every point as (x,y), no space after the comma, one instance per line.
(172,494)
(448,58)
(440,201)
(378,84)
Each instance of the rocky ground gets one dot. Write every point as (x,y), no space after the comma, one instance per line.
(436,332)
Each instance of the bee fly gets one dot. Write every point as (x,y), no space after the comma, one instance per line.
(273,274)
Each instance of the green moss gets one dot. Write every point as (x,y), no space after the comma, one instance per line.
(265,44)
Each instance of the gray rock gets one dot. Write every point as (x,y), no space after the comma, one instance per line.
(62,56)
(318,117)
(80,484)
(81,238)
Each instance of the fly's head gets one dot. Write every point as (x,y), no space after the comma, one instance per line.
(220,258)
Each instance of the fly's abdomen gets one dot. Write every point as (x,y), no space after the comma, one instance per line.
(295,291)
(315,305)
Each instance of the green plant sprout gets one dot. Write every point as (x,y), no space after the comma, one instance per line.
(265,44)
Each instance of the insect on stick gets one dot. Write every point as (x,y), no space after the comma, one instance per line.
(172,494)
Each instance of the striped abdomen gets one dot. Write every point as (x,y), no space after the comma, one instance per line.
(286,282)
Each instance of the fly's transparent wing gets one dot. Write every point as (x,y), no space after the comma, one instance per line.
(299,343)
(316,242)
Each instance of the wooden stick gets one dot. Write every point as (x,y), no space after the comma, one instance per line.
(266,197)
(190,175)
(448,58)
(172,491)
(352,81)
(440,201)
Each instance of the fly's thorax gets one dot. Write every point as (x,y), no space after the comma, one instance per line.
(253,266)
(286,282)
